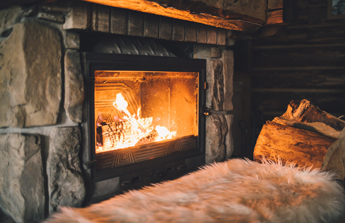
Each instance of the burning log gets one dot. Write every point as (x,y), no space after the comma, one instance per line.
(302,135)
(127,130)
(149,138)
(115,132)
(112,135)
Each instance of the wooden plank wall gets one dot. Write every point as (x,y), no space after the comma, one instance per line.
(305,60)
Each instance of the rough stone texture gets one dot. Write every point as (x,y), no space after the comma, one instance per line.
(229,140)
(216,52)
(52,17)
(72,40)
(22,184)
(204,52)
(65,181)
(77,18)
(74,86)
(218,85)
(105,189)
(30,79)
(8,17)
(228,72)
(216,131)
(219,76)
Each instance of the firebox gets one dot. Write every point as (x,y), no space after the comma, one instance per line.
(145,115)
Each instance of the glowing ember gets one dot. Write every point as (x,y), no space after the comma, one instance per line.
(130,130)
(164,133)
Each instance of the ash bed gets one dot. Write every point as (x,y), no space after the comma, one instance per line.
(233,191)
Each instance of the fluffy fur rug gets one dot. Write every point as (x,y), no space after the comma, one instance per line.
(233,191)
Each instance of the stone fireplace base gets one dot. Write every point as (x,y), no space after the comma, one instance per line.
(41,119)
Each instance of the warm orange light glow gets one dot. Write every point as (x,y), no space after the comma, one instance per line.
(164,133)
(157,9)
(134,108)
(137,130)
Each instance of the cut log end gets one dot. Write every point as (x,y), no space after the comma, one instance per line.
(306,136)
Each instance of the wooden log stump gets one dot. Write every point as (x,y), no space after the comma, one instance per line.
(307,116)
(306,136)
(291,145)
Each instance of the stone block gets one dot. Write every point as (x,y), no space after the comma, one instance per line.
(65,180)
(229,140)
(77,18)
(229,41)
(228,72)
(74,86)
(8,17)
(216,131)
(218,85)
(51,16)
(30,78)
(216,52)
(62,7)
(72,40)
(22,194)
(105,189)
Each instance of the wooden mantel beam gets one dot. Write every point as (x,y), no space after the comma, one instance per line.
(240,15)
(208,14)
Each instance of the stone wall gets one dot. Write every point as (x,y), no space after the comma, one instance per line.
(219,78)
(41,96)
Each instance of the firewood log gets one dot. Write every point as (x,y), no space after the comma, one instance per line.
(291,145)
(149,138)
(307,116)
(304,135)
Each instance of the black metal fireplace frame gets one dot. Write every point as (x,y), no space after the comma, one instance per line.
(101,61)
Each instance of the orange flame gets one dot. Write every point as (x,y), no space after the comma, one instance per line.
(139,130)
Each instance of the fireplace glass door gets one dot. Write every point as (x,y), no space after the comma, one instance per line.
(143,112)
(141,115)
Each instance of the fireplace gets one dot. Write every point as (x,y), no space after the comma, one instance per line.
(143,112)
(53,114)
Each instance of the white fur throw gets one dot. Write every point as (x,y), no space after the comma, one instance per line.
(233,191)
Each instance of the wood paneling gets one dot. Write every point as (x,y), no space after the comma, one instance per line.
(304,61)
(300,56)
(305,78)
(275,101)
(304,34)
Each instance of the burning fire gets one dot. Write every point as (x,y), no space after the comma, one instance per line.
(129,129)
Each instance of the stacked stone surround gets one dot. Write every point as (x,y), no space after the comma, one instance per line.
(42,93)
(219,78)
